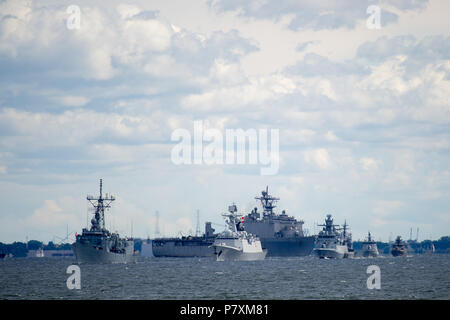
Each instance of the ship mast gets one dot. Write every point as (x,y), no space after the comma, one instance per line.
(329,227)
(100,203)
(233,218)
(267,202)
(345,229)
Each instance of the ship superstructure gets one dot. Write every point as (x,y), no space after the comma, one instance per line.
(99,245)
(190,246)
(280,234)
(369,247)
(332,243)
(347,240)
(398,248)
(235,244)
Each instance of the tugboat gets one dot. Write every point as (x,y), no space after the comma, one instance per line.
(369,247)
(330,243)
(235,244)
(98,245)
(398,248)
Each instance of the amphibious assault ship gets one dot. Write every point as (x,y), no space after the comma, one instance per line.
(235,244)
(280,234)
(331,243)
(98,245)
(190,246)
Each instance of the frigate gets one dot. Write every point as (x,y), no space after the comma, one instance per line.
(331,243)
(235,244)
(280,234)
(369,247)
(398,248)
(98,245)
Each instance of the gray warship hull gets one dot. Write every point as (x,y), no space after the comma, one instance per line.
(182,248)
(369,248)
(398,252)
(97,244)
(331,253)
(146,249)
(399,249)
(370,254)
(86,253)
(288,247)
(226,254)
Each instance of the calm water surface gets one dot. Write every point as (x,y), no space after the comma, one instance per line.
(415,277)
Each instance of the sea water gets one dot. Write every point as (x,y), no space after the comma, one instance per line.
(411,277)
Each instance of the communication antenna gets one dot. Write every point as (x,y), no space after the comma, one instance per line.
(157,233)
(417,235)
(410,234)
(197,230)
(267,202)
(99,204)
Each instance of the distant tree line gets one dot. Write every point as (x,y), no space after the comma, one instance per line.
(441,246)
(20,249)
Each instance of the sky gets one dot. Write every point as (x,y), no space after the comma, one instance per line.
(363,113)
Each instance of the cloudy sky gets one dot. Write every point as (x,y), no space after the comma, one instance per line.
(363,114)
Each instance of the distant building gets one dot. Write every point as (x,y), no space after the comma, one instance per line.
(49,253)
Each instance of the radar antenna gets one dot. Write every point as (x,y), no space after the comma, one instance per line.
(267,202)
(197,229)
(157,232)
(100,203)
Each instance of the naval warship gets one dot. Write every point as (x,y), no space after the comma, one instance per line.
(369,247)
(398,248)
(235,244)
(190,246)
(98,245)
(347,236)
(331,243)
(280,234)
